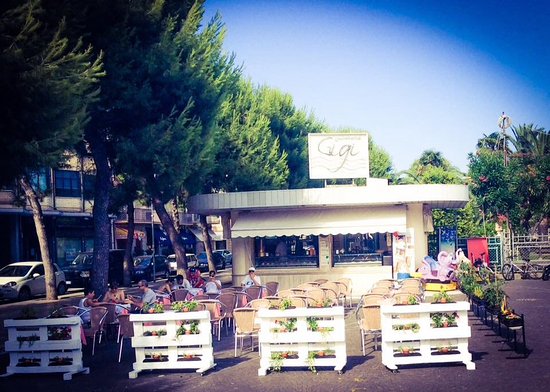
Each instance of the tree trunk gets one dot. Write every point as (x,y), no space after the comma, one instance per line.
(168,226)
(38,218)
(207,243)
(128,262)
(102,229)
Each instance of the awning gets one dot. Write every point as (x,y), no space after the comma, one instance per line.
(198,233)
(320,222)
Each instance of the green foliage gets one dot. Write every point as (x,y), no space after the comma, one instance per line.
(46,85)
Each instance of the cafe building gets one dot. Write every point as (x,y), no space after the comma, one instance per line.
(364,233)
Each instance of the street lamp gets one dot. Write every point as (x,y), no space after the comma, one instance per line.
(504,122)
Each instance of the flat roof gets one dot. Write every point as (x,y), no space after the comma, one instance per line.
(434,195)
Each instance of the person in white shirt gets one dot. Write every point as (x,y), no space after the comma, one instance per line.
(213,285)
(252,279)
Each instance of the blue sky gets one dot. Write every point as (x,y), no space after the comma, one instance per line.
(417,74)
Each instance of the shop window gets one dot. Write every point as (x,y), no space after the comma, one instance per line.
(67,183)
(286,251)
(359,248)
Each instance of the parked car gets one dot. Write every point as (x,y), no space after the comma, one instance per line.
(172,266)
(143,267)
(227,254)
(219,261)
(25,279)
(79,271)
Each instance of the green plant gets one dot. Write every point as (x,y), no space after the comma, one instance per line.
(442,297)
(493,293)
(285,303)
(412,300)
(188,328)
(311,361)
(276,361)
(442,320)
(312,324)
(184,306)
(478,291)
(288,325)
(406,350)
(153,308)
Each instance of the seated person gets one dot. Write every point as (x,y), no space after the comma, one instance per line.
(168,286)
(87,303)
(252,279)
(114,294)
(195,278)
(213,285)
(148,296)
(182,283)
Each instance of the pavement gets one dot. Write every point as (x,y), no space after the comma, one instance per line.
(498,366)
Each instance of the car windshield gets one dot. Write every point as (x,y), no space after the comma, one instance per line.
(142,262)
(15,270)
(82,260)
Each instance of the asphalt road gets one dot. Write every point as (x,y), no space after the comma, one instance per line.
(498,367)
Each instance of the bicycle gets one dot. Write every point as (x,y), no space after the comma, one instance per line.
(527,270)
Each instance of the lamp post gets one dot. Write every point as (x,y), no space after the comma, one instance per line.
(504,122)
(153,242)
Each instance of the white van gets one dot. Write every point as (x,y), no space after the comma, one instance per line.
(172,266)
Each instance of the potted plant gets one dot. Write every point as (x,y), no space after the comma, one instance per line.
(442,298)
(406,350)
(412,300)
(311,361)
(153,308)
(493,295)
(276,362)
(183,306)
(285,303)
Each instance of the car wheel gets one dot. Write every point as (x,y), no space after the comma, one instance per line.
(61,288)
(24,294)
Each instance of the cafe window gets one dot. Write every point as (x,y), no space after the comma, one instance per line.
(286,251)
(67,183)
(360,248)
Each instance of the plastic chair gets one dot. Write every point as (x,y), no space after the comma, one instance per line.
(97,319)
(245,326)
(125,331)
(368,318)
(272,288)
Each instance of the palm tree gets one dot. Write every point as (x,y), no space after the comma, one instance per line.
(529,140)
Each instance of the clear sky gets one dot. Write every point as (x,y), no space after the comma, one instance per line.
(415,74)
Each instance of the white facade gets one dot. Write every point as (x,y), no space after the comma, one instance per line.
(327,213)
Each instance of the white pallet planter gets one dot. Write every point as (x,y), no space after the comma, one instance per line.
(411,326)
(45,346)
(297,348)
(156,350)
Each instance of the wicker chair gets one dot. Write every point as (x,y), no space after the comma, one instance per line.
(372,299)
(125,331)
(229,300)
(368,318)
(245,326)
(217,314)
(260,303)
(179,295)
(97,320)
(254,292)
(272,288)
(347,282)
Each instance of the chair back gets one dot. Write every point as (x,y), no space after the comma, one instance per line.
(110,318)
(415,290)
(200,297)
(254,292)
(245,319)
(381,290)
(67,310)
(179,295)
(308,285)
(229,300)
(347,282)
(369,317)
(285,293)
(97,319)
(372,299)
(411,282)
(216,308)
(272,288)
(228,290)
(332,286)
(298,302)
(260,303)
(242,299)
(389,283)
(317,294)
(321,281)
(126,327)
